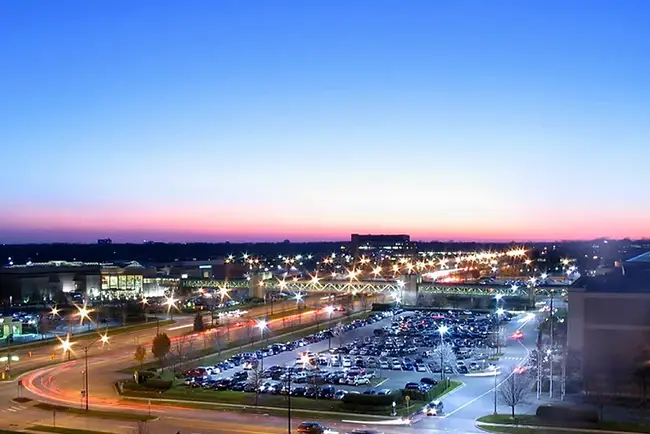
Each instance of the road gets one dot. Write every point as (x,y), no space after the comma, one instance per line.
(37,357)
(63,383)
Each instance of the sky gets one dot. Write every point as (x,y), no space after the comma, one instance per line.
(247,120)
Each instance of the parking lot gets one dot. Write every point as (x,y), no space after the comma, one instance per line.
(386,352)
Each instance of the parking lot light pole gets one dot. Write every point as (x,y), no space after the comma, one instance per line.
(289,404)
(104,340)
(262,326)
(330,309)
(442,330)
(499,312)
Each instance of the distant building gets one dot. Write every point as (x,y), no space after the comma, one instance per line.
(388,245)
(104,241)
(54,280)
(609,326)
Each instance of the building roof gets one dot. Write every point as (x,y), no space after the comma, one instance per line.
(626,279)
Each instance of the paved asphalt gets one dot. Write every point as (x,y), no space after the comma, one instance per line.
(63,383)
(32,358)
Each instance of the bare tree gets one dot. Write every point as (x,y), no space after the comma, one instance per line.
(142,428)
(256,379)
(444,356)
(339,332)
(181,351)
(515,389)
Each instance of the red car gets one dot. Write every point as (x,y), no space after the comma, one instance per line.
(517,335)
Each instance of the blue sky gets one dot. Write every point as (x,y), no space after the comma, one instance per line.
(215,120)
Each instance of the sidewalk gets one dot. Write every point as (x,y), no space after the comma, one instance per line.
(551,428)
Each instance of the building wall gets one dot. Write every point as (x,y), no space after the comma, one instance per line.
(611,332)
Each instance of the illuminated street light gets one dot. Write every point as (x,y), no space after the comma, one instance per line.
(66,345)
(144,301)
(329,310)
(103,338)
(170,302)
(500,311)
(83,312)
(498,297)
(544,276)
(55,311)
(442,330)
(377,271)
(223,292)
(261,325)
(514,287)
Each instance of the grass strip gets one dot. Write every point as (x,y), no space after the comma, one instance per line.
(210,356)
(64,430)
(523,421)
(118,330)
(100,414)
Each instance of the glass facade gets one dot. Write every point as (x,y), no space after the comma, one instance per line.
(121,285)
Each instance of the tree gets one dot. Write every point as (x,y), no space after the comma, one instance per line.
(198,323)
(142,428)
(444,354)
(160,347)
(515,389)
(140,354)
(181,351)
(255,379)
(339,331)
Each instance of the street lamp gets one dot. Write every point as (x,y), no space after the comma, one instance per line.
(500,311)
(496,374)
(329,309)
(261,325)
(66,345)
(170,302)
(442,330)
(83,313)
(104,340)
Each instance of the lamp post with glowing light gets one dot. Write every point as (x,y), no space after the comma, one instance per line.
(83,313)
(261,325)
(442,330)
(104,340)
(329,310)
(499,312)
(299,298)
(170,302)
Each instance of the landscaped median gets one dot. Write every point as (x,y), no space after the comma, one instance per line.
(529,423)
(100,414)
(210,356)
(117,330)
(376,406)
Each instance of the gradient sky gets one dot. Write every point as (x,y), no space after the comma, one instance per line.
(307,120)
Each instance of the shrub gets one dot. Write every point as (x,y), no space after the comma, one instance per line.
(566,414)
(356,400)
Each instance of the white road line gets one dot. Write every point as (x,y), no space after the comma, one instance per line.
(470,402)
(125,426)
(11,409)
(382,382)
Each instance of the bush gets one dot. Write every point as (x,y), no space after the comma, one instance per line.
(151,384)
(358,400)
(566,414)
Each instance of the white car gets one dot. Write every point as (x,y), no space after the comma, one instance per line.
(361,380)
(347,363)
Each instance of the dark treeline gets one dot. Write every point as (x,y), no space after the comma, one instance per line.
(168,252)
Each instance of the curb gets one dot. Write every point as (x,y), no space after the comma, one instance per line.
(553,428)
(252,407)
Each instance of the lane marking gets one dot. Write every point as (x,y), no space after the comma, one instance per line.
(491,390)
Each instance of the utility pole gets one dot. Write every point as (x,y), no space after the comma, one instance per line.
(550,356)
(563,385)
